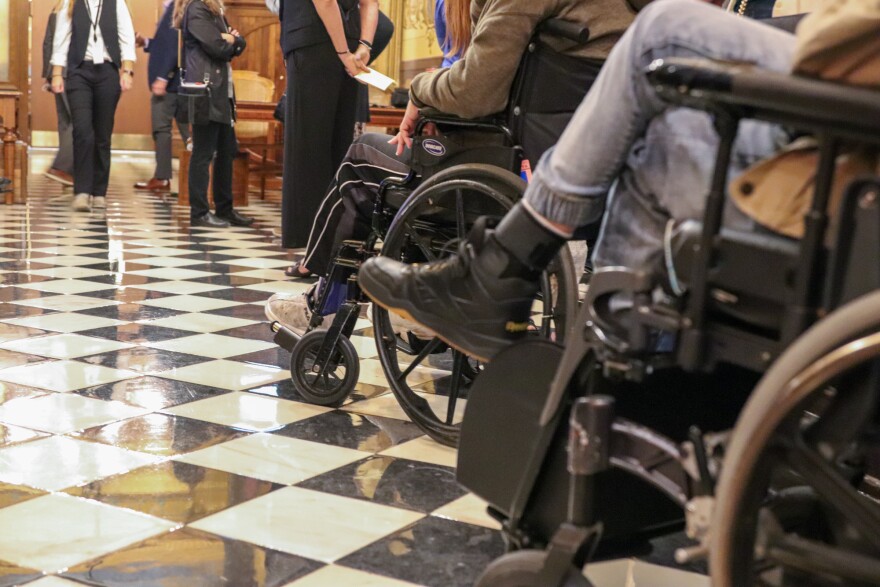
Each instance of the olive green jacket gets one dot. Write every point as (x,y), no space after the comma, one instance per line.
(479,83)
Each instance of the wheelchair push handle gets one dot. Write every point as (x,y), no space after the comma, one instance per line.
(565,29)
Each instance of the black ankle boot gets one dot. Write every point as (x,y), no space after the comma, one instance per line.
(478,300)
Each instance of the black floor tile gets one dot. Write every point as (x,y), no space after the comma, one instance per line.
(176,491)
(366,433)
(137,333)
(432,552)
(131,312)
(246,296)
(143,360)
(161,434)
(402,483)
(189,557)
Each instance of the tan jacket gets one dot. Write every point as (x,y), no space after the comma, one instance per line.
(479,83)
(841,42)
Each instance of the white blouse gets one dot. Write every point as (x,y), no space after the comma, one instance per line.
(96,50)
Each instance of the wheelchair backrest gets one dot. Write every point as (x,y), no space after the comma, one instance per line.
(548,88)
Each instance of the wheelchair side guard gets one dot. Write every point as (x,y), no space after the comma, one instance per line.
(851,272)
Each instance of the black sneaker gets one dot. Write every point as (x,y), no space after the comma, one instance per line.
(479,300)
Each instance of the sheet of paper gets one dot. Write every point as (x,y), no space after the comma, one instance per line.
(375,79)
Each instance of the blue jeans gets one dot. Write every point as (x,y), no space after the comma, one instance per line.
(653,163)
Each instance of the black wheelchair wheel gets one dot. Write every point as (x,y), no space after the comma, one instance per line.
(330,383)
(431,385)
(523,569)
(794,503)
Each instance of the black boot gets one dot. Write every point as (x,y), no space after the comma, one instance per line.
(478,300)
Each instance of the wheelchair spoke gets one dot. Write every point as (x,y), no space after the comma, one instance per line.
(460,226)
(859,510)
(814,558)
(421,242)
(458,360)
(429,348)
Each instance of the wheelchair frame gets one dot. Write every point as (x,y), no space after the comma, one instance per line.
(335,345)
(599,441)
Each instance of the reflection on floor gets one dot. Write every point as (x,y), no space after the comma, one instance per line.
(149,434)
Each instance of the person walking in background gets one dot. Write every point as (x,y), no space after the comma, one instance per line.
(164,79)
(94,40)
(61,169)
(209,45)
(325,44)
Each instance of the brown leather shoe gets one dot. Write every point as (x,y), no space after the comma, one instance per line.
(154,185)
(61,177)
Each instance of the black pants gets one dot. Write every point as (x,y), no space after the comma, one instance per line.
(208,140)
(346,212)
(164,110)
(319,126)
(93,93)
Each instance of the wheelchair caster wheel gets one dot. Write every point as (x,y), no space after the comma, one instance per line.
(328,380)
(523,569)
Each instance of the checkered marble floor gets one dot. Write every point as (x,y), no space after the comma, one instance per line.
(150,435)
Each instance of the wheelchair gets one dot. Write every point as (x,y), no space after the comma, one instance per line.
(625,432)
(470,172)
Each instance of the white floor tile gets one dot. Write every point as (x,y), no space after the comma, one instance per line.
(53,532)
(273,458)
(308,523)
(247,411)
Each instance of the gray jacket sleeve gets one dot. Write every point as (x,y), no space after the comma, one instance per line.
(479,83)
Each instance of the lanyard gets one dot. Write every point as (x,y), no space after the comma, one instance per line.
(94,22)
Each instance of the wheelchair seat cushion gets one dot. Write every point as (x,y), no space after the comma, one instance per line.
(751,278)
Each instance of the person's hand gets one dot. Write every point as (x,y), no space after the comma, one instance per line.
(159,87)
(234,32)
(125,82)
(352,64)
(228,38)
(139,41)
(403,139)
(362,54)
(57,84)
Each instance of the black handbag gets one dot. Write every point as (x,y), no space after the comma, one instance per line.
(400,98)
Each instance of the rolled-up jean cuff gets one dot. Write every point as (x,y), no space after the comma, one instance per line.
(567,209)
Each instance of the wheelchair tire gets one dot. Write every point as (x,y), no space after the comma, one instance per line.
(499,190)
(523,569)
(779,436)
(324,387)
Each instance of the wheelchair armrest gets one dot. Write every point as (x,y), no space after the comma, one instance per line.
(433,115)
(491,123)
(777,97)
(565,29)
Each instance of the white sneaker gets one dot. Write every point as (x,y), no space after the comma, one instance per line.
(81,203)
(99,202)
(294,312)
(401,326)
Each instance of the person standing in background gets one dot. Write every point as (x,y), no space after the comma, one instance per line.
(61,169)
(209,45)
(94,40)
(164,79)
(452,49)
(325,44)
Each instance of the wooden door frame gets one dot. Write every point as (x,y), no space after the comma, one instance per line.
(19,55)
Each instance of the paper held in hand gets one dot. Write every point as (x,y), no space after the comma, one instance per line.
(375,79)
